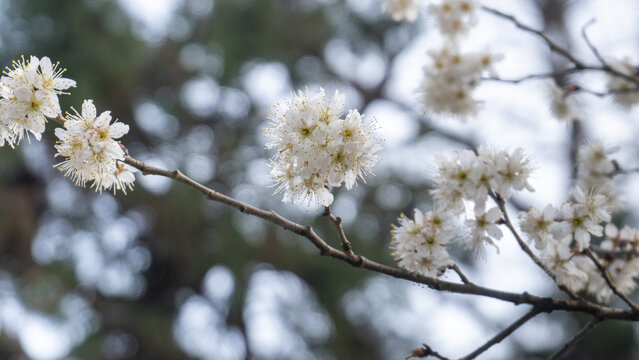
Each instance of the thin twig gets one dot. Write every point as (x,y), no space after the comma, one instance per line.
(579,65)
(606,275)
(575,339)
(461,275)
(615,253)
(592,47)
(503,334)
(347,248)
(544,304)
(502,206)
(578,88)
(539,76)
(553,45)
(425,351)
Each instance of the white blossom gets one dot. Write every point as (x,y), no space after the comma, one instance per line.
(596,204)
(539,224)
(29,94)
(561,261)
(402,10)
(454,17)
(316,148)
(581,223)
(87,142)
(626,239)
(512,172)
(594,161)
(622,89)
(450,79)
(467,176)
(623,274)
(563,104)
(419,245)
(595,169)
(483,229)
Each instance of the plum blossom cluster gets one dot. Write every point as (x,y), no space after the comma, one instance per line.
(624,92)
(595,169)
(452,75)
(470,178)
(624,270)
(451,78)
(473,176)
(563,103)
(29,95)
(402,10)
(454,17)
(562,234)
(317,148)
(91,153)
(463,179)
(419,245)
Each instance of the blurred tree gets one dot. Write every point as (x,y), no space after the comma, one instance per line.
(160,273)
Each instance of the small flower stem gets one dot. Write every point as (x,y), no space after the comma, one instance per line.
(58,119)
(502,206)
(461,275)
(347,248)
(606,275)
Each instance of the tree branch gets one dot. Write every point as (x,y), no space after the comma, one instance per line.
(461,275)
(503,334)
(425,351)
(547,75)
(592,47)
(611,284)
(347,248)
(543,304)
(502,206)
(575,339)
(553,45)
(579,65)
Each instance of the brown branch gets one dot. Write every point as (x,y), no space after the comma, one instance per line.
(459,273)
(347,248)
(575,339)
(616,253)
(543,304)
(579,65)
(553,45)
(502,206)
(591,46)
(539,76)
(578,88)
(503,334)
(606,275)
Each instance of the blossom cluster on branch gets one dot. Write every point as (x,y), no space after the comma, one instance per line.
(562,233)
(452,74)
(29,96)
(465,178)
(316,148)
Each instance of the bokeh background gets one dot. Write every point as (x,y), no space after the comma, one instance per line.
(163,274)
